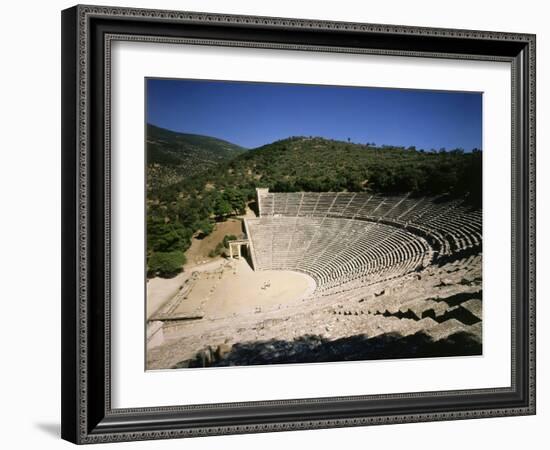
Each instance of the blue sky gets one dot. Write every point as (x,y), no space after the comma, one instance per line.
(254,114)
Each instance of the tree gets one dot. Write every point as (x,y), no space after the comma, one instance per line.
(165,236)
(165,264)
(222,207)
(237,199)
(206,227)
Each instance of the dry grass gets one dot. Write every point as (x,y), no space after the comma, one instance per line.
(200,248)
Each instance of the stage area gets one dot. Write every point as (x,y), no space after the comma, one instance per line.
(242,290)
(233,288)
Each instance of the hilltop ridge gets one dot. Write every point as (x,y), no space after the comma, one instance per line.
(172,155)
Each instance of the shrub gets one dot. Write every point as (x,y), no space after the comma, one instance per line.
(222,246)
(165,264)
(217,251)
(227,238)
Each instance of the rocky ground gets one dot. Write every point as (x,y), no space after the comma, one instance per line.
(435,312)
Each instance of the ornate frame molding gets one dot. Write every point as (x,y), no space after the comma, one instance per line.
(87,38)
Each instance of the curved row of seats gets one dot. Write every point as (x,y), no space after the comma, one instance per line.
(449,226)
(338,253)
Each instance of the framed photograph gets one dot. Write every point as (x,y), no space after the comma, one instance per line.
(282,224)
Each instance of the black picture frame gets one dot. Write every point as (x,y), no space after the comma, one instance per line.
(87,415)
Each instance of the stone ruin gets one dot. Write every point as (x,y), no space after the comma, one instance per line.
(399,273)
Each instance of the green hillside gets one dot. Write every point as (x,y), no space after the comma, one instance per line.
(192,200)
(321,165)
(172,155)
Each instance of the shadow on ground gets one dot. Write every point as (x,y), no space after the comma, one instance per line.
(310,349)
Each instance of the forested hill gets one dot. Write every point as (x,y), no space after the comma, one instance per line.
(322,165)
(192,199)
(171,155)
(173,148)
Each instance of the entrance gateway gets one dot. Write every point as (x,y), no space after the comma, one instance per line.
(235,247)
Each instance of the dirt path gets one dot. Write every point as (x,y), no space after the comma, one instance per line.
(160,290)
